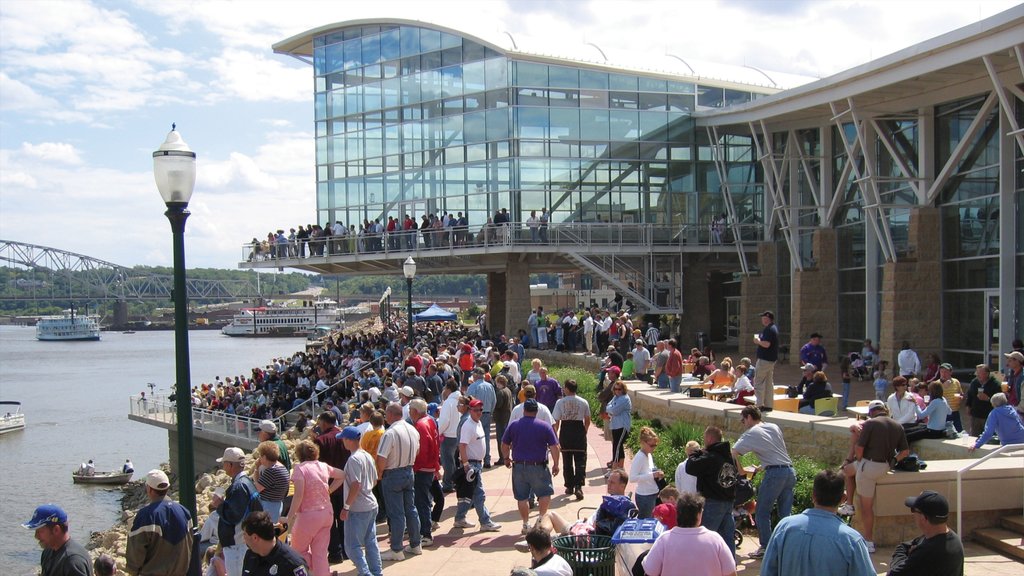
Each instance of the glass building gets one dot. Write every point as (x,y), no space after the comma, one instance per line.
(883,202)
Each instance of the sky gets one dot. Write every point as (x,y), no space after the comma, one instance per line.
(88,89)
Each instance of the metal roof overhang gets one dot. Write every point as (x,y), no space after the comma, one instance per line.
(921,75)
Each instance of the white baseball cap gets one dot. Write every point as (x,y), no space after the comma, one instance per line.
(157,480)
(232,454)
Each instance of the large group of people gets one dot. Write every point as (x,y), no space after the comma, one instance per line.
(401,425)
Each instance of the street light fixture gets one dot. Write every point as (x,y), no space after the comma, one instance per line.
(409,269)
(174,168)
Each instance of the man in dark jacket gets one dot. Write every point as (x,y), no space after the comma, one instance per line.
(716,473)
(938,551)
(268,556)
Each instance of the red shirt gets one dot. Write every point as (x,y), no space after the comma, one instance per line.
(428,459)
(415,361)
(674,366)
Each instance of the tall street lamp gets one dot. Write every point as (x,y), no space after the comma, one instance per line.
(409,269)
(174,167)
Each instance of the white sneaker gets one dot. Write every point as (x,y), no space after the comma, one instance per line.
(464,524)
(427,541)
(413,550)
(871,546)
(526,528)
(491,527)
(390,555)
(522,546)
(846,510)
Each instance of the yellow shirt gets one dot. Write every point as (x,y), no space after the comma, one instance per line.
(950,389)
(370,441)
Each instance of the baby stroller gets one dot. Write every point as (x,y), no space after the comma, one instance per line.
(859,368)
(743,509)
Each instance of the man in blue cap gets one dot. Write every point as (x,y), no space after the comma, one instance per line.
(61,555)
(359,509)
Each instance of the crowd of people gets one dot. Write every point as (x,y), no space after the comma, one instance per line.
(401,426)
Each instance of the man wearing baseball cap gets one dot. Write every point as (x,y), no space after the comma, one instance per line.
(268,431)
(767,354)
(61,555)
(160,542)
(938,550)
(233,510)
(1015,380)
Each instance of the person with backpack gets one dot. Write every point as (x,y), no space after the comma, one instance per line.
(765,440)
(716,473)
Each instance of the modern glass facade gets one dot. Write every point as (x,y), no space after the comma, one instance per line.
(414,120)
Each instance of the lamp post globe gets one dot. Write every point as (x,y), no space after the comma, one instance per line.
(174,169)
(409,269)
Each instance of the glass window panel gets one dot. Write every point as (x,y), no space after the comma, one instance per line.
(372,97)
(565,124)
(736,97)
(652,124)
(653,101)
(430,40)
(532,97)
(471,51)
(334,57)
(622,82)
(353,53)
(710,96)
(970,228)
(652,85)
(594,124)
(963,314)
(530,74)
(681,102)
(497,73)
(496,99)
(451,56)
(371,49)
(533,122)
(474,127)
(563,77)
(371,73)
(390,44)
(593,98)
(497,124)
(410,65)
(451,81)
(972,273)
(474,77)
(430,60)
(681,87)
(624,125)
(533,148)
(629,100)
(593,79)
(852,316)
(563,98)
(476,152)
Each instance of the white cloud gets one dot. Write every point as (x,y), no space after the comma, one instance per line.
(259,77)
(52,152)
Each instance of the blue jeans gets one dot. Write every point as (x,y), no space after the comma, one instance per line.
(400,504)
(807,410)
(477,502)
(448,448)
(776,487)
(273,509)
(424,500)
(361,542)
(645,505)
(718,518)
(675,383)
(846,395)
(663,380)
(485,421)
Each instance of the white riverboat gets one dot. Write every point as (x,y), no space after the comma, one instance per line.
(285,320)
(12,418)
(68,326)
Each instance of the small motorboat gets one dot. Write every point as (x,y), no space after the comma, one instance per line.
(12,418)
(102,478)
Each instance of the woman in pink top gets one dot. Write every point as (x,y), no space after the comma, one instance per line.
(310,516)
(689,544)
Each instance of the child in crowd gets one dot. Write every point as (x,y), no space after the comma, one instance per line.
(881,381)
(844,369)
(629,367)
(742,388)
(665,512)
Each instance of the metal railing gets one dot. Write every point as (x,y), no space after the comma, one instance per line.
(960,481)
(161,409)
(505,236)
(316,397)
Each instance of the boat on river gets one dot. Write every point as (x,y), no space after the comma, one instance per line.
(102,478)
(12,419)
(284,320)
(68,326)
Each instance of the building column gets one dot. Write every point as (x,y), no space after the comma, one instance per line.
(814,297)
(509,292)
(758,292)
(912,291)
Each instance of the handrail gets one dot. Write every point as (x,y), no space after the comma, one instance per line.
(314,398)
(960,481)
(163,410)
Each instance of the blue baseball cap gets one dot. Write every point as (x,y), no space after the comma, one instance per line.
(432,408)
(46,514)
(349,433)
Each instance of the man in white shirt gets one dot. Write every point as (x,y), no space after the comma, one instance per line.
(908,362)
(395,456)
(472,447)
(543,414)
(447,429)
(588,333)
(641,359)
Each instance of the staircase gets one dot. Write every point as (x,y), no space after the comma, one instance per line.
(633,283)
(1007,538)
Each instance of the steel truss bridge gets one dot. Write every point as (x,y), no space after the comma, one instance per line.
(91,279)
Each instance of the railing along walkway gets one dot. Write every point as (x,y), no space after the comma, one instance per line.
(960,480)
(161,409)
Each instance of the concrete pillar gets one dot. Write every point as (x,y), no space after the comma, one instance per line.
(758,292)
(814,297)
(508,298)
(120,313)
(696,302)
(912,290)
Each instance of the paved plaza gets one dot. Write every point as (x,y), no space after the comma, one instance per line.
(477,553)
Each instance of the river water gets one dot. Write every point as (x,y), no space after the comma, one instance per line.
(75,397)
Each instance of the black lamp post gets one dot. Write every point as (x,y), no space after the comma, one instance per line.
(409,269)
(174,167)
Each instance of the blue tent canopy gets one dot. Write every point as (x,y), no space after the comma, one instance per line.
(434,314)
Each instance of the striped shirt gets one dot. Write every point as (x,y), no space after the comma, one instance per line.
(275,483)
(399,445)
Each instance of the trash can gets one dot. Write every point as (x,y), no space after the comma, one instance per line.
(588,555)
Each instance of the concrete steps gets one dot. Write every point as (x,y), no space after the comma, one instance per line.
(1007,538)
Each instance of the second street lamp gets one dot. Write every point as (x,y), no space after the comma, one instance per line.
(409,269)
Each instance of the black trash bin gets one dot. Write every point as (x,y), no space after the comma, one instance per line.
(588,555)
